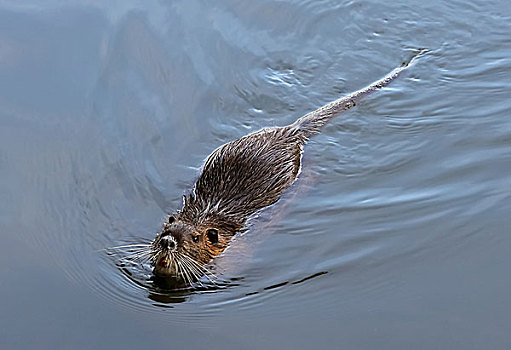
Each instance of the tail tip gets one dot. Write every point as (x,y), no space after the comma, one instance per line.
(418,53)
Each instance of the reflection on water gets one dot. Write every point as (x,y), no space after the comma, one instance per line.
(399,223)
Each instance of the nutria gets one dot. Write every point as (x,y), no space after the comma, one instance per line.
(237,180)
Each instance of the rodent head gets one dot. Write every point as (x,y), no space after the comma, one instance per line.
(182,249)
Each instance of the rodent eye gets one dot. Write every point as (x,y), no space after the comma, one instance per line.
(171,219)
(212,234)
(196,238)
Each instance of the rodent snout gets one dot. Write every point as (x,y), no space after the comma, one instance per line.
(168,242)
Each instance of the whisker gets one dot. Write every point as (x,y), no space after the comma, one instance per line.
(201,269)
(188,279)
(179,269)
(186,271)
(193,271)
(198,270)
(173,261)
(128,246)
(140,257)
(139,252)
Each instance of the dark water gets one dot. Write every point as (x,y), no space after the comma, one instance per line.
(397,235)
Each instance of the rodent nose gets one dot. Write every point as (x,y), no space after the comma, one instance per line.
(167,242)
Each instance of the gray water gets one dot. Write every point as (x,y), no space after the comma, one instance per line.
(396,236)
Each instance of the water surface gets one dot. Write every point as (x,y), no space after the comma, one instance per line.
(396,235)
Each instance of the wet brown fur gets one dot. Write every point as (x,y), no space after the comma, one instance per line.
(243,176)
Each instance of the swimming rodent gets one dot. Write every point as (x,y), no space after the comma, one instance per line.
(237,180)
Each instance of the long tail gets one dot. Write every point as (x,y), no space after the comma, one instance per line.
(312,123)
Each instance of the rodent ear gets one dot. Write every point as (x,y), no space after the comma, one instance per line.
(212,234)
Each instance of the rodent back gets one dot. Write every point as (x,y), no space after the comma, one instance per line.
(245,175)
